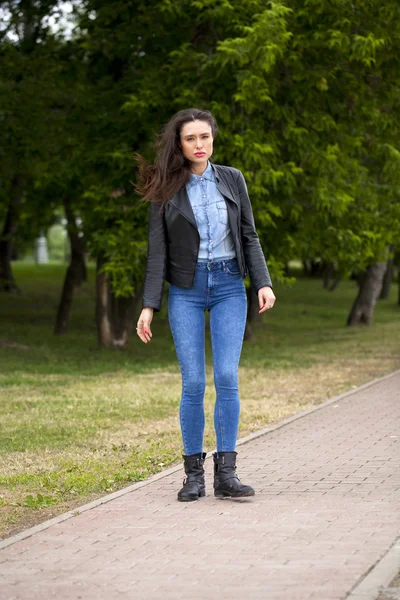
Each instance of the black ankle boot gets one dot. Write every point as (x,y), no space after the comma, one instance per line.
(226,482)
(193,484)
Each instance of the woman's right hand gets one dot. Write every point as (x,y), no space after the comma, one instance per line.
(143,325)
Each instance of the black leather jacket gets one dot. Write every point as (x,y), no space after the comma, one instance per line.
(174,239)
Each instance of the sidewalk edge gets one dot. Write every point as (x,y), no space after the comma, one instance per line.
(104,499)
(379,576)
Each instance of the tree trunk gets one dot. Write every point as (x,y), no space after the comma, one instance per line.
(114,316)
(76,272)
(286,270)
(329,274)
(387,280)
(253,315)
(312,268)
(370,286)
(316,268)
(306,267)
(7,281)
(398,281)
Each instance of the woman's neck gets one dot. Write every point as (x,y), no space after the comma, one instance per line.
(199,168)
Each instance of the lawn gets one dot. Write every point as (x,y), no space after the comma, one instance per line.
(77,421)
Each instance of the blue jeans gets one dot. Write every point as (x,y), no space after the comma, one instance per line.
(219,288)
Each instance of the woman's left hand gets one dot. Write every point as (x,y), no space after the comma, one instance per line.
(266,299)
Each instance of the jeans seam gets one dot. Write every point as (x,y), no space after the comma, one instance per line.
(221,424)
(186,448)
(181,419)
(232,272)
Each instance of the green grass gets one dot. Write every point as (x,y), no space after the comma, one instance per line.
(77,421)
(305,318)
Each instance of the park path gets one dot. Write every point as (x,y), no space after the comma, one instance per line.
(326,511)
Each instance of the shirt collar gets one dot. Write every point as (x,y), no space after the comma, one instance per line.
(207,174)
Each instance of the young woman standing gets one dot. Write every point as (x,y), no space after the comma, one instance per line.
(202,240)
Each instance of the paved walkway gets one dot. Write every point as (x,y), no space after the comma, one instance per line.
(326,510)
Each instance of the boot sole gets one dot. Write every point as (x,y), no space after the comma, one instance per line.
(226,494)
(201,494)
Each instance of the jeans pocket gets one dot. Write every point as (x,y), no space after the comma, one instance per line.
(233,268)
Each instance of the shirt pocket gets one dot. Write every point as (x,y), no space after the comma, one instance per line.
(222,212)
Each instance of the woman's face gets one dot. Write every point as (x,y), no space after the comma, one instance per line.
(197,141)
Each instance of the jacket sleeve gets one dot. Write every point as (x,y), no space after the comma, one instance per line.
(253,253)
(156,265)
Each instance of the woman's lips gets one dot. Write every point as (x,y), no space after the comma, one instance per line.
(199,153)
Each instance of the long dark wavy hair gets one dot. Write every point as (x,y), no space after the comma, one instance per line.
(171,170)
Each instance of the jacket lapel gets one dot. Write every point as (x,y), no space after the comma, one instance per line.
(181,199)
(182,203)
(221,184)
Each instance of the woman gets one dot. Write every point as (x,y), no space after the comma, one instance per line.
(202,240)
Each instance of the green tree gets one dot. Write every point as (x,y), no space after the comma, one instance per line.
(306,98)
(305,107)
(319,140)
(28,99)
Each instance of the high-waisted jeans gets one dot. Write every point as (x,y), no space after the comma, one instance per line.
(219,288)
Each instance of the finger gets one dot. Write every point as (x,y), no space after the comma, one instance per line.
(269,304)
(147,331)
(140,332)
(264,304)
(142,336)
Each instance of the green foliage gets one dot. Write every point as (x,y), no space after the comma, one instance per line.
(37,501)
(305,93)
(315,112)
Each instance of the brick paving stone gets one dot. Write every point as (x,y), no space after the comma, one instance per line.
(326,510)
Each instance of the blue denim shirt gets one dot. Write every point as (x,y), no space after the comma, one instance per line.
(211,214)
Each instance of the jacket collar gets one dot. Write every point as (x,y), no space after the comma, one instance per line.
(181,199)
(220,182)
